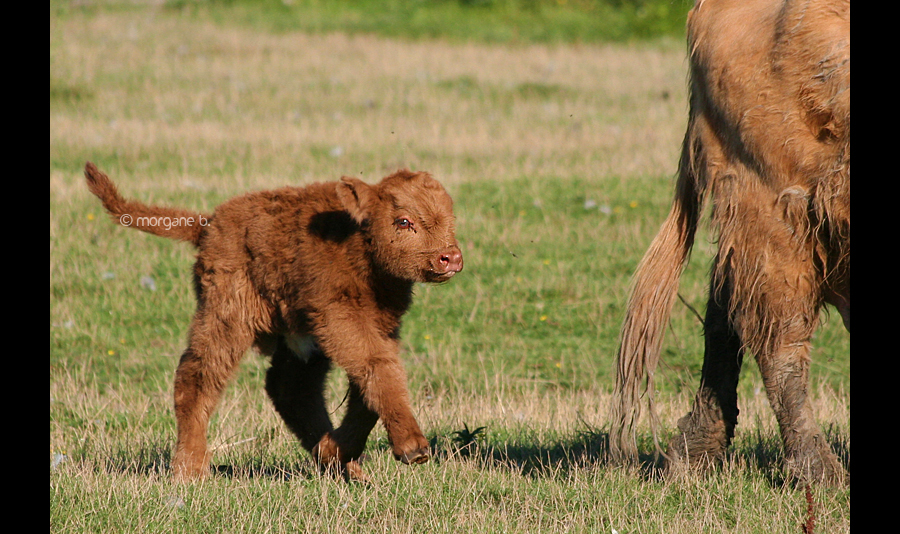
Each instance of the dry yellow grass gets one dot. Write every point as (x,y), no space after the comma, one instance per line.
(193,88)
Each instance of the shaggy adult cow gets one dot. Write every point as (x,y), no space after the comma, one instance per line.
(768,138)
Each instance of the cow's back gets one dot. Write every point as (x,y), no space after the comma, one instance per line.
(773,79)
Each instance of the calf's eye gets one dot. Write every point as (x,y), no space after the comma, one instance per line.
(403,224)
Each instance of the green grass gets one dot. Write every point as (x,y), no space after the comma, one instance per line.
(560,160)
(495,21)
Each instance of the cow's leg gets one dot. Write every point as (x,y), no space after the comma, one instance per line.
(295,383)
(371,361)
(776,303)
(709,427)
(216,346)
(785,371)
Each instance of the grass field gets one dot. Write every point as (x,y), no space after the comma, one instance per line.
(559,154)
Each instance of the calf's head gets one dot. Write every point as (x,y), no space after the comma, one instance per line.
(409,220)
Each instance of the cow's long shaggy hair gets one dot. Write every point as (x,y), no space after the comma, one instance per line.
(768,139)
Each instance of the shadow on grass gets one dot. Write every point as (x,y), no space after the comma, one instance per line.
(765,453)
(156,460)
(760,455)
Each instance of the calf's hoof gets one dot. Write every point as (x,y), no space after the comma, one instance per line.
(188,469)
(352,472)
(412,450)
(418,456)
(330,462)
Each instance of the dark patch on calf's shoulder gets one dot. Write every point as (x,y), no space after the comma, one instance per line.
(336,226)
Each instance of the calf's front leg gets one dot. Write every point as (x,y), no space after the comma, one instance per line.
(378,390)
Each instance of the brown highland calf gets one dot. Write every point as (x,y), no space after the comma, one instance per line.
(310,276)
(768,138)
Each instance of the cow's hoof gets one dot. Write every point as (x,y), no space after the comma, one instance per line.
(817,468)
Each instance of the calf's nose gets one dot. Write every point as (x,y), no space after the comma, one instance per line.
(452,261)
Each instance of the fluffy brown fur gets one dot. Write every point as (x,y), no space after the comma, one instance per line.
(768,139)
(310,276)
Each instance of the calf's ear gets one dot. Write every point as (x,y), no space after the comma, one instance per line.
(357,197)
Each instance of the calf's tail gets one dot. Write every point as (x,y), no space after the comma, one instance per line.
(174,223)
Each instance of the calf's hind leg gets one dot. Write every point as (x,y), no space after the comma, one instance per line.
(215,348)
(295,383)
(342,447)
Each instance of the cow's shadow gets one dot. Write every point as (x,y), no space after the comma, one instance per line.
(754,455)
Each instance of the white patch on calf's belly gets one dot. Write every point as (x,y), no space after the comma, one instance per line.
(302,346)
